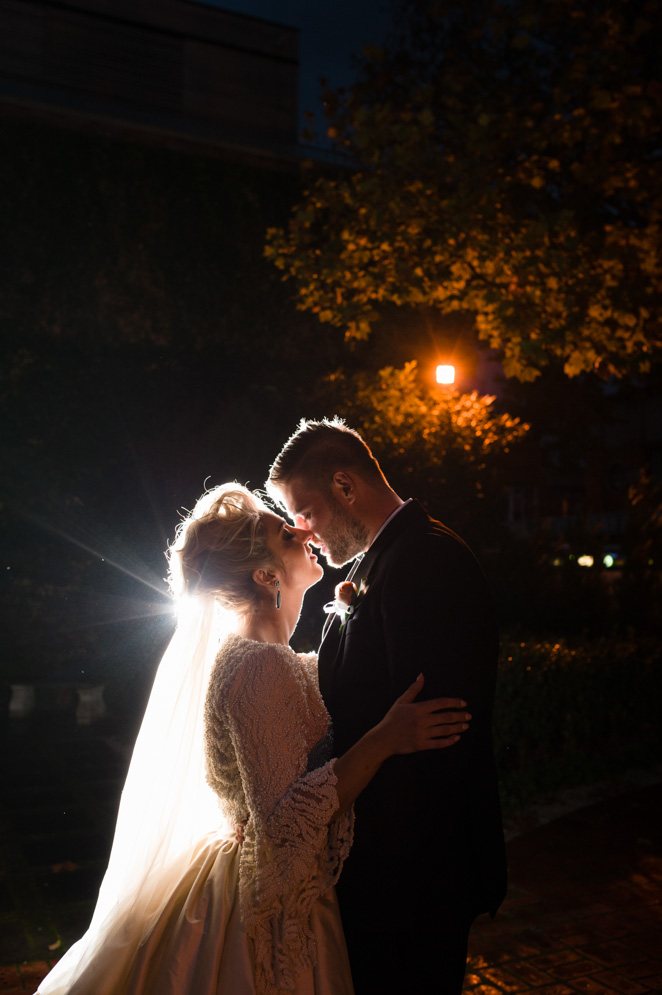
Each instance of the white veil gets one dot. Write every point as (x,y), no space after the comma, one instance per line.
(167,806)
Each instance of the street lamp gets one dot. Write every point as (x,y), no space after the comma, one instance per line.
(445,374)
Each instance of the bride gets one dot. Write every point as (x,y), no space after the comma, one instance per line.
(235,817)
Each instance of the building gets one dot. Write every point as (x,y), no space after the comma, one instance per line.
(175,72)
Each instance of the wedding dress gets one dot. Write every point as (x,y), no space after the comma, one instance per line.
(248,906)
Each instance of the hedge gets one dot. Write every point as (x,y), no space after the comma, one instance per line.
(568,713)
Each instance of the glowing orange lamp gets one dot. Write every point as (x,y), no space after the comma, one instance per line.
(445,374)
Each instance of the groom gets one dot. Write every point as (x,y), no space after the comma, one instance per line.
(428,853)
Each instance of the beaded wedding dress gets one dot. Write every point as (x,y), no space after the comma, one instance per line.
(246,907)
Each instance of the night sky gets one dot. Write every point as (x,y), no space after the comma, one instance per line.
(330,32)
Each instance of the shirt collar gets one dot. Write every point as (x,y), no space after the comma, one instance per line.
(389,519)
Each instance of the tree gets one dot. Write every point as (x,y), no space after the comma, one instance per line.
(502,159)
(641,585)
(448,448)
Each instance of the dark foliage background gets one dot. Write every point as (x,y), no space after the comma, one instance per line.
(149,348)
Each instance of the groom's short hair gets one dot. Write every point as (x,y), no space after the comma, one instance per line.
(317,450)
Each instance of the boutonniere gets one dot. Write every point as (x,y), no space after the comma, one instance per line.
(347,599)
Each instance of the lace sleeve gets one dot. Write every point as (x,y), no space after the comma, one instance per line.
(295,843)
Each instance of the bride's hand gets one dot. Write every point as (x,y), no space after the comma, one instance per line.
(410,726)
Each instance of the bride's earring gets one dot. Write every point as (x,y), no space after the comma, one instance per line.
(277,594)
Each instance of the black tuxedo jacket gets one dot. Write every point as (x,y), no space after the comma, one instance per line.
(428,837)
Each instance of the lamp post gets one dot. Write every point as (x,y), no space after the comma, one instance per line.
(445,374)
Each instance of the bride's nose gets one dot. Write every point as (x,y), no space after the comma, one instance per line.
(304,535)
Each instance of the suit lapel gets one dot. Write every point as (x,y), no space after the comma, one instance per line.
(331,647)
(411,514)
(354,571)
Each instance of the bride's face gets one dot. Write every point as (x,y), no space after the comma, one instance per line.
(291,548)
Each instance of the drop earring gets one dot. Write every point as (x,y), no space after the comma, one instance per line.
(277,594)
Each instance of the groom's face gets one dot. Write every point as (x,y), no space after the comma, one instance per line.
(336,532)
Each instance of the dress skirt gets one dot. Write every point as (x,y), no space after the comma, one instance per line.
(197,944)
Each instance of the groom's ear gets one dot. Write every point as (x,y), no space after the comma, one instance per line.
(344,486)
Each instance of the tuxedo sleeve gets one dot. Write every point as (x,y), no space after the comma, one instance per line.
(430,817)
(436,812)
(438,618)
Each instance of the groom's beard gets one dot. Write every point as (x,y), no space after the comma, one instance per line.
(344,538)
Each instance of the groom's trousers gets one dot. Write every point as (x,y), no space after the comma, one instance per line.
(425,960)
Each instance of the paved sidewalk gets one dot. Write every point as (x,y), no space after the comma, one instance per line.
(584,909)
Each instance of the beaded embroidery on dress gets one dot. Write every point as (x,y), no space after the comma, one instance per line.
(264,716)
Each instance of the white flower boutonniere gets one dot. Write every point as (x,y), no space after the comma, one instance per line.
(347,599)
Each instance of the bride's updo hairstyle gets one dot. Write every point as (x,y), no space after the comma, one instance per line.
(218,546)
